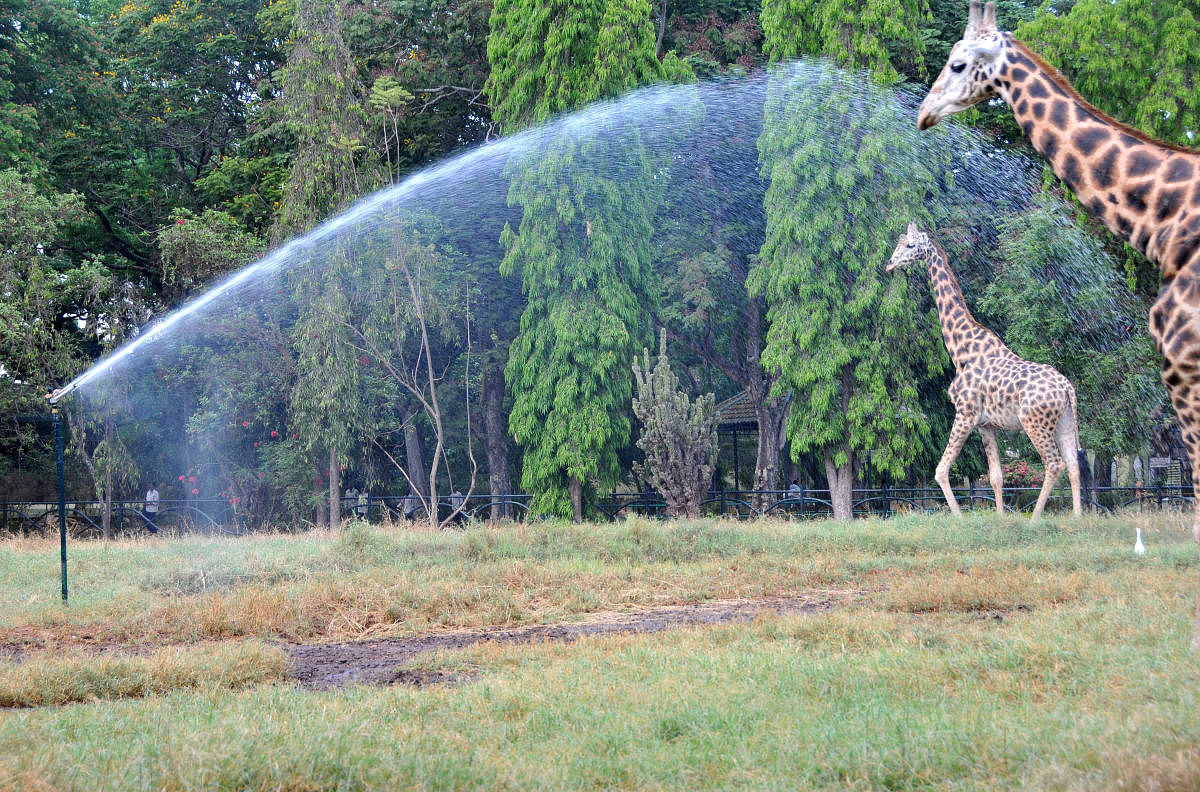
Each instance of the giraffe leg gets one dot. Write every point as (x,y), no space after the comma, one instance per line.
(964,422)
(995,471)
(1041,434)
(1175,326)
(1067,432)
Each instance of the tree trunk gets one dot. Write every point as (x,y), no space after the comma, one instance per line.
(575,488)
(1102,470)
(771,414)
(416,457)
(495,439)
(841,487)
(1086,482)
(335,494)
(106,506)
(319,497)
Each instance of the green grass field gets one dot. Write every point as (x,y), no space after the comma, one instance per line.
(981,653)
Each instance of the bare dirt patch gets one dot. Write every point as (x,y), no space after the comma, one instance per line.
(375,662)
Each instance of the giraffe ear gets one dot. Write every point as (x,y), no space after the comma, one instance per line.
(974,20)
(912,229)
(988,24)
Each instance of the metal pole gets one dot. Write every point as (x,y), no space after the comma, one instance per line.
(62,497)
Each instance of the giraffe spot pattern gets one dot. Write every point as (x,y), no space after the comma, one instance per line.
(1142,163)
(1104,171)
(1071,172)
(1178,169)
(1058,114)
(1088,139)
(1049,147)
(1169,202)
(1135,197)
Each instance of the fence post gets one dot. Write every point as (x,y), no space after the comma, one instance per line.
(62,496)
(801,500)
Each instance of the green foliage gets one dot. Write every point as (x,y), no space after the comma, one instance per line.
(582,248)
(197,250)
(679,436)
(324,109)
(715,37)
(843,336)
(552,57)
(51,87)
(882,36)
(427,92)
(50,305)
(1138,60)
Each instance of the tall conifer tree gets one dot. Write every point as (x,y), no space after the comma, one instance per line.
(323,105)
(582,247)
(843,177)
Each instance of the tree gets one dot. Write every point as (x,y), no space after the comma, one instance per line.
(582,247)
(332,165)
(55,315)
(882,36)
(678,435)
(844,341)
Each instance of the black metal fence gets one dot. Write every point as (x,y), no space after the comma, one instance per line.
(219,516)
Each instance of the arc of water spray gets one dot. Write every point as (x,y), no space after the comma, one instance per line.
(596,116)
(275,259)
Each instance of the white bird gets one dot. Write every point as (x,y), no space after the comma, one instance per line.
(1138,547)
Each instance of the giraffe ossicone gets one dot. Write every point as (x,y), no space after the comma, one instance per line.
(994,388)
(1145,191)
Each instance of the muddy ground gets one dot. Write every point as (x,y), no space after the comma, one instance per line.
(333,665)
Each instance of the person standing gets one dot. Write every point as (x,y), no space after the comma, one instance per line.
(150,508)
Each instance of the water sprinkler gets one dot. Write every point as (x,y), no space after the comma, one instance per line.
(54,395)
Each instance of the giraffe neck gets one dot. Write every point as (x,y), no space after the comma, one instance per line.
(966,339)
(1145,192)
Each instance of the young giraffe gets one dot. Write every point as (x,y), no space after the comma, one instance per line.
(1146,192)
(994,388)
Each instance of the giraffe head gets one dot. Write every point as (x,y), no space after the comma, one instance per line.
(912,246)
(969,76)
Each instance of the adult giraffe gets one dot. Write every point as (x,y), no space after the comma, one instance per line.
(994,388)
(1146,192)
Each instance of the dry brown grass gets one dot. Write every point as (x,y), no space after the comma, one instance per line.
(55,678)
(981,589)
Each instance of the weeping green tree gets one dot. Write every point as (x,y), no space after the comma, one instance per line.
(845,171)
(582,247)
(324,109)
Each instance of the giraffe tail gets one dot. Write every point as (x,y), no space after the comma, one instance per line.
(1075,418)
(1074,409)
